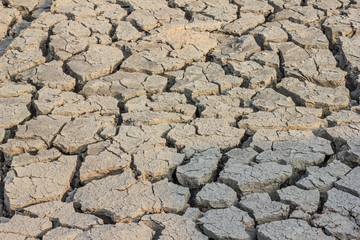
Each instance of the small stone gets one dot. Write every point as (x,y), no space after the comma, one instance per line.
(216,195)
(263,208)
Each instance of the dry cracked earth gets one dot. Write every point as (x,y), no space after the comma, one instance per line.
(180,119)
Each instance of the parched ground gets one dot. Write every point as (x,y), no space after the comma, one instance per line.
(180,119)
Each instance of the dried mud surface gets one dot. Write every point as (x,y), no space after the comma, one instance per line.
(180,119)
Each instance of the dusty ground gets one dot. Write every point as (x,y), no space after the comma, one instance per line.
(180,119)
